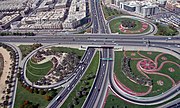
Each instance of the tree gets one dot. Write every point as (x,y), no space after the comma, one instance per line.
(53,93)
(5,102)
(84,93)
(42,92)
(7,81)
(48,98)
(8,91)
(75,102)
(36,90)
(70,105)
(78,94)
(26,102)
(7,97)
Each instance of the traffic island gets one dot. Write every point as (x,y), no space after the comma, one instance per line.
(52,65)
(127,25)
(40,68)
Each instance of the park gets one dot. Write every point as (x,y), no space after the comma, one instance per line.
(143,74)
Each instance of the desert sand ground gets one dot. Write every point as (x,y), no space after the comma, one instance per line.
(6,70)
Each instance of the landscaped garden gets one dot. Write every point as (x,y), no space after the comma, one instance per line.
(51,65)
(62,60)
(166,30)
(82,89)
(144,73)
(128,26)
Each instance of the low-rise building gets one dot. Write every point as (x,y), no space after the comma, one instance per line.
(61,4)
(8,19)
(44,20)
(78,14)
(46,5)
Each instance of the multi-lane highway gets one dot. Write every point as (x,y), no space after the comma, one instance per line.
(106,66)
(80,70)
(92,98)
(172,43)
(94,18)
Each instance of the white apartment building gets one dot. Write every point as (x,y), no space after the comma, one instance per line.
(142,8)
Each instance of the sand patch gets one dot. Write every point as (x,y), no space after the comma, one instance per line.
(6,70)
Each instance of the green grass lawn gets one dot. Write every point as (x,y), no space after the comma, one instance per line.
(35,71)
(174,74)
(114,25)
(119,103)
(151,56)
(122,78)
(164,30)
(128,53)
(90,71)
(22,94)
(26,49)
(169,58)
(158,89)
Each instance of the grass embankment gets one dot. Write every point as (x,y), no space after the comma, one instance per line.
(23,94)
(36,71)
(109,12)
(26,49)
(115,102)
(91,71)
(166,30)
(122,78)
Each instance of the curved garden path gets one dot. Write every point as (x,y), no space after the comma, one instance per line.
(157,73)
(128,90)
(145,72)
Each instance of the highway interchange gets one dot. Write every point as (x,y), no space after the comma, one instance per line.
(101,37)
